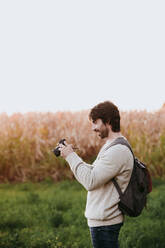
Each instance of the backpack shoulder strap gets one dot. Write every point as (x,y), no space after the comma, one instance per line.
(122,141)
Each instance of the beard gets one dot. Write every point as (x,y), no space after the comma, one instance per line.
(104,133)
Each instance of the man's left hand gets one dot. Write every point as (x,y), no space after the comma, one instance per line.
(65,149)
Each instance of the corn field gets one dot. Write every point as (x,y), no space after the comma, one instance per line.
(27,140)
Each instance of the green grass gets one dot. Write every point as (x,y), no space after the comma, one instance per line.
(51,215)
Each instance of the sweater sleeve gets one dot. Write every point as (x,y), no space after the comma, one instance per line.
(106,167)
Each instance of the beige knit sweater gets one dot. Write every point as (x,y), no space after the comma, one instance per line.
(102,198)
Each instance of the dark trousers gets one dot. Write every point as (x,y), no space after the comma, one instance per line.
(105,236)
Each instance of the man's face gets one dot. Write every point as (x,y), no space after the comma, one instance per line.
(102,129)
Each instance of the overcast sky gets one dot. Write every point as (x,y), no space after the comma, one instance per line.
(69,55)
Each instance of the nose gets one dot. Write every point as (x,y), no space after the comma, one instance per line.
(94,127)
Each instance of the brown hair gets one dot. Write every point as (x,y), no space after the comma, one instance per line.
(108,113)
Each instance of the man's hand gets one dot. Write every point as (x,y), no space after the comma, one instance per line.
(65,149)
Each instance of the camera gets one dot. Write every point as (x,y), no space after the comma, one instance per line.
(56,150)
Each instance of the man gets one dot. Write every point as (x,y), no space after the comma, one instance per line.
(104,217)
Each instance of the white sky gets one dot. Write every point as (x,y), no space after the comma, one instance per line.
(69,55)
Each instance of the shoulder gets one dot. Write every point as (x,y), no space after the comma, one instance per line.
(118,148)
(117,152)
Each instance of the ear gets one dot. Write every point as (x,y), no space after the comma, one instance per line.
(108,126)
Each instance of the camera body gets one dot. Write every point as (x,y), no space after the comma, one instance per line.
(56,150)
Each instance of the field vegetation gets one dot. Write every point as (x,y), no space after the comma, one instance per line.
(27,140)
(51,215)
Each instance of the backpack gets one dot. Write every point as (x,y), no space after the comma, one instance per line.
(134,198)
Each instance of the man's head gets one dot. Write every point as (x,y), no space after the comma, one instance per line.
(105,115)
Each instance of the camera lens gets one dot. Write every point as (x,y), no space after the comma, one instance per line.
(56,150)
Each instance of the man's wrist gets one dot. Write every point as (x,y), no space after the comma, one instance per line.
(69,156)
